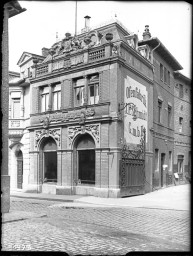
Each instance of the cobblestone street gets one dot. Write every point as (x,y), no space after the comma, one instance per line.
(60,226)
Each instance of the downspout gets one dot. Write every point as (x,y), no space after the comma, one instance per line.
(152,52)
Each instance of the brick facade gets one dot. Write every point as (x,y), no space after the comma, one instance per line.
(115,67)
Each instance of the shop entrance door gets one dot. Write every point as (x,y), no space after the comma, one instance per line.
(20,170)
(162,170)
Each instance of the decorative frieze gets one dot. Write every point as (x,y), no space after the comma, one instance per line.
(93,130)
(64,117)
(55,133)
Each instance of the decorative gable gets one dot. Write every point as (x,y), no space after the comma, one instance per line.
(24,57)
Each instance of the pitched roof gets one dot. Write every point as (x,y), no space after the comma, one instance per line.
(29,55)
(162,51)
(178,74)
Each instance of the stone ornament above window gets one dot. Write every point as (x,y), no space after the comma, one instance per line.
(54,133)
(93,130)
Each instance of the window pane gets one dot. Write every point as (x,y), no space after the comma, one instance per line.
(59,99)
(16,109)
(43,103)
(79,96)
(96,93)
(161,72)
(55,103)
(165,75)
(91,91)
(47,100)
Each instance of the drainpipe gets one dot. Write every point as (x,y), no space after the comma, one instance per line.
(152,52)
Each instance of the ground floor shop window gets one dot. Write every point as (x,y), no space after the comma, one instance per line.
(49,161)
(85,160)
(86,163)
(50,167)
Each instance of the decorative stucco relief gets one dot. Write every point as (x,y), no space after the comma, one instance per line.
(93,130)
(55,133)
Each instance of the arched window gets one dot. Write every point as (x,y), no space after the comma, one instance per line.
(86,159)
(49,161)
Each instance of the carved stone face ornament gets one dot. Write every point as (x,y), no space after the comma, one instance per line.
(46,122)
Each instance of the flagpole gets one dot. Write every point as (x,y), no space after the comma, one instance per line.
(76,19)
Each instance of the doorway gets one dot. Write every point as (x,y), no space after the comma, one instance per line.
(19,169)
(162,169)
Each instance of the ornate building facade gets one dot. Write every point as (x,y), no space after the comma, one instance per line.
(92,123)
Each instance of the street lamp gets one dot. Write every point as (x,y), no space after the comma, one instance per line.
(130,104)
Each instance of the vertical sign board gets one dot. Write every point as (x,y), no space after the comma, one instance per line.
(135,93)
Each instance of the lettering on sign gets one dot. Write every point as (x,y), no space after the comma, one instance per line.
(136,94)
(64,117)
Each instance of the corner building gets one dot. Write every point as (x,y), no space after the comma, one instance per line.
(92,123)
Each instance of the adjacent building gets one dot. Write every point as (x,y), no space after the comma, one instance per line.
(182,128)
(98,115)
(10,9)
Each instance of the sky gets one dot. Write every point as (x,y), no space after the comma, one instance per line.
(36,28)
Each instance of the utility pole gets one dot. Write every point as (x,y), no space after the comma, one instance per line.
(76,19)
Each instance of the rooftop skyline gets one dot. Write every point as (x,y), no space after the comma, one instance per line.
(38,26)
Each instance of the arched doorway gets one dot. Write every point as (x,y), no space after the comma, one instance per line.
(19,156)
(48,161)
(85,159)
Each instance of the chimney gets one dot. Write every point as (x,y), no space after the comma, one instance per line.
(45,51)
(87,24)
(87,21)
(146,33)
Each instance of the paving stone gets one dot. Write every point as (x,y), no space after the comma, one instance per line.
(96,231)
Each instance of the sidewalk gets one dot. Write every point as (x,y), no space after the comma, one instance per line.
(41,196)
(173,198)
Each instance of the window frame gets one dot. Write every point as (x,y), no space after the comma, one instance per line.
(169,115)
(95,83)
(16,100)
(44,95)
(180,124)
(56,92)
(161,72)
(75,87)
(165,75)
(159,110)
(181,91)
(169,78)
